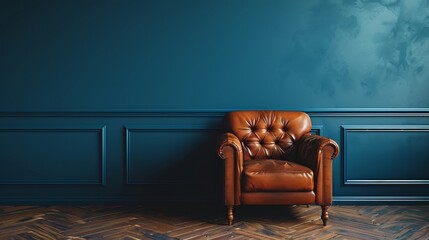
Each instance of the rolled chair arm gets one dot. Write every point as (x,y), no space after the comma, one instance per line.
(317,153)
(310,146)
(229,149)
(229,139)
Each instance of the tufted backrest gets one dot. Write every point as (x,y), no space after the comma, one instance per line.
(267,134)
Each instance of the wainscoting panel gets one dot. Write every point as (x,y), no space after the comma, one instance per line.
(170,156)
(317,130)
(52,155)
(385,154)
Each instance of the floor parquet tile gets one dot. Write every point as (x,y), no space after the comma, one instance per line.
(208,222)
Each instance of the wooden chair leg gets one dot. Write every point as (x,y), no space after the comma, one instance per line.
(230,215)
(325,215)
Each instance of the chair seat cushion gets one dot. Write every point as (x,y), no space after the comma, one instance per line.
(276,176)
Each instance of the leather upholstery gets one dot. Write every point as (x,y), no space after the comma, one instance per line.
(271,158)
(276,176)
(277,198)
(268,134)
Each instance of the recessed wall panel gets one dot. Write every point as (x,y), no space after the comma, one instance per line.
(378,154)
(52,156)
(179,155)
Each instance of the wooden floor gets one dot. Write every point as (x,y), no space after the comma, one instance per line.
(204,222)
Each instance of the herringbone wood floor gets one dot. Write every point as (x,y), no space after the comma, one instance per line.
(208,222)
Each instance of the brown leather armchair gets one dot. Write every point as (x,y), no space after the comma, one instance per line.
(272,159)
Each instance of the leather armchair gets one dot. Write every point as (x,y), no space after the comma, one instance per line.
(271,158)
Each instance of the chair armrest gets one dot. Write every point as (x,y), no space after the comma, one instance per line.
(317,153)
(229,149)
(309,147)
(229,139)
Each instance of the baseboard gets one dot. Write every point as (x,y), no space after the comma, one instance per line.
(104,201)
(337,200)
(375,200)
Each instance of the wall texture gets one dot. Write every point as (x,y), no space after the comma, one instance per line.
(105,101)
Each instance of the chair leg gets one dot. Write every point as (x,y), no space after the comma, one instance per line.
(325,215)
(230,215)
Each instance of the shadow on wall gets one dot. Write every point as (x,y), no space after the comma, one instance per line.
(177,165)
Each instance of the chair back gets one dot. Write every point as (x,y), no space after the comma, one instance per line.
(268,134)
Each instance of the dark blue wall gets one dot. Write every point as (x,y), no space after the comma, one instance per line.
(123,100)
